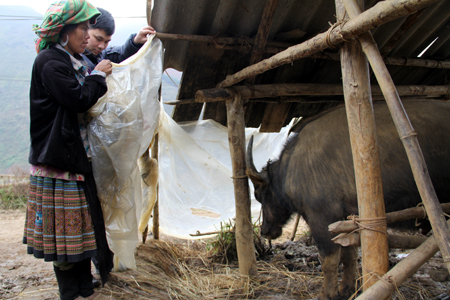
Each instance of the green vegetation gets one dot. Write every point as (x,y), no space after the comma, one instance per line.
(223,246)
(14,189)
(14,197)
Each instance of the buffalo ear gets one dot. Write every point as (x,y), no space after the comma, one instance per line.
(258,178)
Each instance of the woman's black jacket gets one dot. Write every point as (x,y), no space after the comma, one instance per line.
(56,97)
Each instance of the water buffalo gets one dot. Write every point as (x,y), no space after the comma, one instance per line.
(314,177)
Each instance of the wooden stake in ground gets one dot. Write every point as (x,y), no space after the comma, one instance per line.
(366,160)
(408,137)
(244,227)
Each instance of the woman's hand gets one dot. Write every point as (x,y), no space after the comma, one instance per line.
(141,37)
(104,66)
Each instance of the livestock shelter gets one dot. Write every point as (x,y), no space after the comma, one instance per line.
(254,63)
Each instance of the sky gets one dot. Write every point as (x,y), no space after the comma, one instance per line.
(128,8)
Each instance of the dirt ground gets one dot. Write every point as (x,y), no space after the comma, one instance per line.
(24,277)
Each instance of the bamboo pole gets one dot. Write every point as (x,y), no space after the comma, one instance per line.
(244,227)
(366,160)
(306,89)
(382,12)
(392,217)
(155,228)
(408,137)
(404,269)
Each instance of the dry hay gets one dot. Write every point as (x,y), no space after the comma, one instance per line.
(166,270)
(173,270)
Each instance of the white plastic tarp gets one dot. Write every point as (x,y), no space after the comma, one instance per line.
(123,124)
(195,187)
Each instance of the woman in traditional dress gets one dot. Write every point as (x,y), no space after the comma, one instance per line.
(64,222)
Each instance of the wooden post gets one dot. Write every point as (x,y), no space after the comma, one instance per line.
(408,137)
(155,228)
(382,12)
(244,228)
(366,160)
(404,269)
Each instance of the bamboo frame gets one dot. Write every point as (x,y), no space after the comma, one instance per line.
(382,12)
(407,136)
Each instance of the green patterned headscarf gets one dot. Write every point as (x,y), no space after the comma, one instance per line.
(59,14)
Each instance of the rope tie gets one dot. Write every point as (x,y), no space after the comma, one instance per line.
(340,23)
(369,223)
(328,36)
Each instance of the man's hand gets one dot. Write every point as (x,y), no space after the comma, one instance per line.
(141,37)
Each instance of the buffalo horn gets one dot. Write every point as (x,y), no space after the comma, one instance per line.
(251,169)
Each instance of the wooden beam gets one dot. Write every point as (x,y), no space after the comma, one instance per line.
(219,41)
(382,12)
(305,89)
(395,241)
(262,34)
(407,135)
(392,217)
(391,61)
(256,56)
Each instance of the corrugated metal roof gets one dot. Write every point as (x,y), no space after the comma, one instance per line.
(204,65)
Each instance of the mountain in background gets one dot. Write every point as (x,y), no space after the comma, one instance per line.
(17,55)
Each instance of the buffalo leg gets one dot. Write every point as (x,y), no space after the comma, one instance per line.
(330,264)
(348,259)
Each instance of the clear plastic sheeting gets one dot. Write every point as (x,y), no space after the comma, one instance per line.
(195,187)
(124,122)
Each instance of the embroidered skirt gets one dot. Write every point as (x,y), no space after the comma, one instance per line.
(58,225)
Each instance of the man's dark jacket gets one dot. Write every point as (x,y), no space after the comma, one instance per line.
(56,97)
(116,54)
